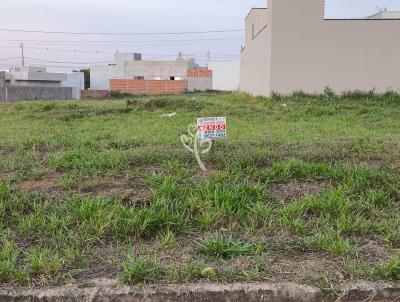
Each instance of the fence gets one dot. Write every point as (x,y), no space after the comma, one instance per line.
(148,86)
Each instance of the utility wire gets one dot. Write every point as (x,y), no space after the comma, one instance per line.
(71,50)
(60,62)
(121,34)
(123,41)
(7,59)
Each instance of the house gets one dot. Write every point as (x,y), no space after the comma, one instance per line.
(35,76)
(100,75)
(131,74)
(34,83)
(291,47)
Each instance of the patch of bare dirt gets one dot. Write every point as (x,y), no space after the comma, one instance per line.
(373,253)
(294,190)
(304,267)
(47,182)
(371,164)
(105,262)
(7,149)
(203,175)
(4,176)
(6,106)
(130,191)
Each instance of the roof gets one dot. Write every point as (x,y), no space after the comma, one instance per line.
(253,9)
(386,15)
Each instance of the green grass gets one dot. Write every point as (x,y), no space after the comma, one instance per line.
(85,184)
(219,247)
(138,271)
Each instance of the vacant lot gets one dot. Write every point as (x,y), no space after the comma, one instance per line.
(305,189)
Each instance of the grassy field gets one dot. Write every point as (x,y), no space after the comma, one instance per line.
(305,189)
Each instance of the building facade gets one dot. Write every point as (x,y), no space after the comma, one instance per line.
(131,74)
(226,75)
(35,83)
(76,81)
(291,47)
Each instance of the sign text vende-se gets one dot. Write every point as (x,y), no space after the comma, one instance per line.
(213,128)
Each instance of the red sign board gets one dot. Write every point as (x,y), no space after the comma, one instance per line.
(213,128)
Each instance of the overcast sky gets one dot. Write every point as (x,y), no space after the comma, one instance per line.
(138,16)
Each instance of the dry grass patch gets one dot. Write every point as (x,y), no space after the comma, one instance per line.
(127,189)
(46,183)
(295,190)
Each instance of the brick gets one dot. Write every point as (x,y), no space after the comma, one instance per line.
(147,86)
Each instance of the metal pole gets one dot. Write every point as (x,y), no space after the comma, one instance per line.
(213,149)
(22,57)
(198,80)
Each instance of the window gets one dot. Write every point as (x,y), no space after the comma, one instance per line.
(139,78)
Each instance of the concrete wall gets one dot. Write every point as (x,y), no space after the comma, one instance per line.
(255,57)
(32,74)
(309,53)
(2,86)
(199,79)
(75,80)
(120,58)
(157,70)
(303,51)
(21,93)
(100,75)
(35,83)
(199,83)
(226,75)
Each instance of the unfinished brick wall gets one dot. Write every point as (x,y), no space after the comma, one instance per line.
(199,79)
(88,93)
(203,73)
(148,86)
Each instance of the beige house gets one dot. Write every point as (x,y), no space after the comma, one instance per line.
(291,47)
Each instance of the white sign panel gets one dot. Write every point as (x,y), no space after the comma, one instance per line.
(213,128)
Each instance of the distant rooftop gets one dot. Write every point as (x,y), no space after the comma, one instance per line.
(386,15)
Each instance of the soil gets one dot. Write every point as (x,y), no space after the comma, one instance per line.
(130,191)
(294,190)
(306,268)
(373,254)
(313,268)
(127,189)
(46,183)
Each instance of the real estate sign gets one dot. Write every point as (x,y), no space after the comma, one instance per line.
(213,128)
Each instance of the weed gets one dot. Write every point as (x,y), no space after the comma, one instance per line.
(167,238)
(390,270)
(44,263)
(330,241)
(188,271)
(136,271)
(349,143)
(218,247)
(329,94)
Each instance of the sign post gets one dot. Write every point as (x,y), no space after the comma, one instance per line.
(212,128)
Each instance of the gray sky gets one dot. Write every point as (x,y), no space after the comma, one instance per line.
(138,16)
